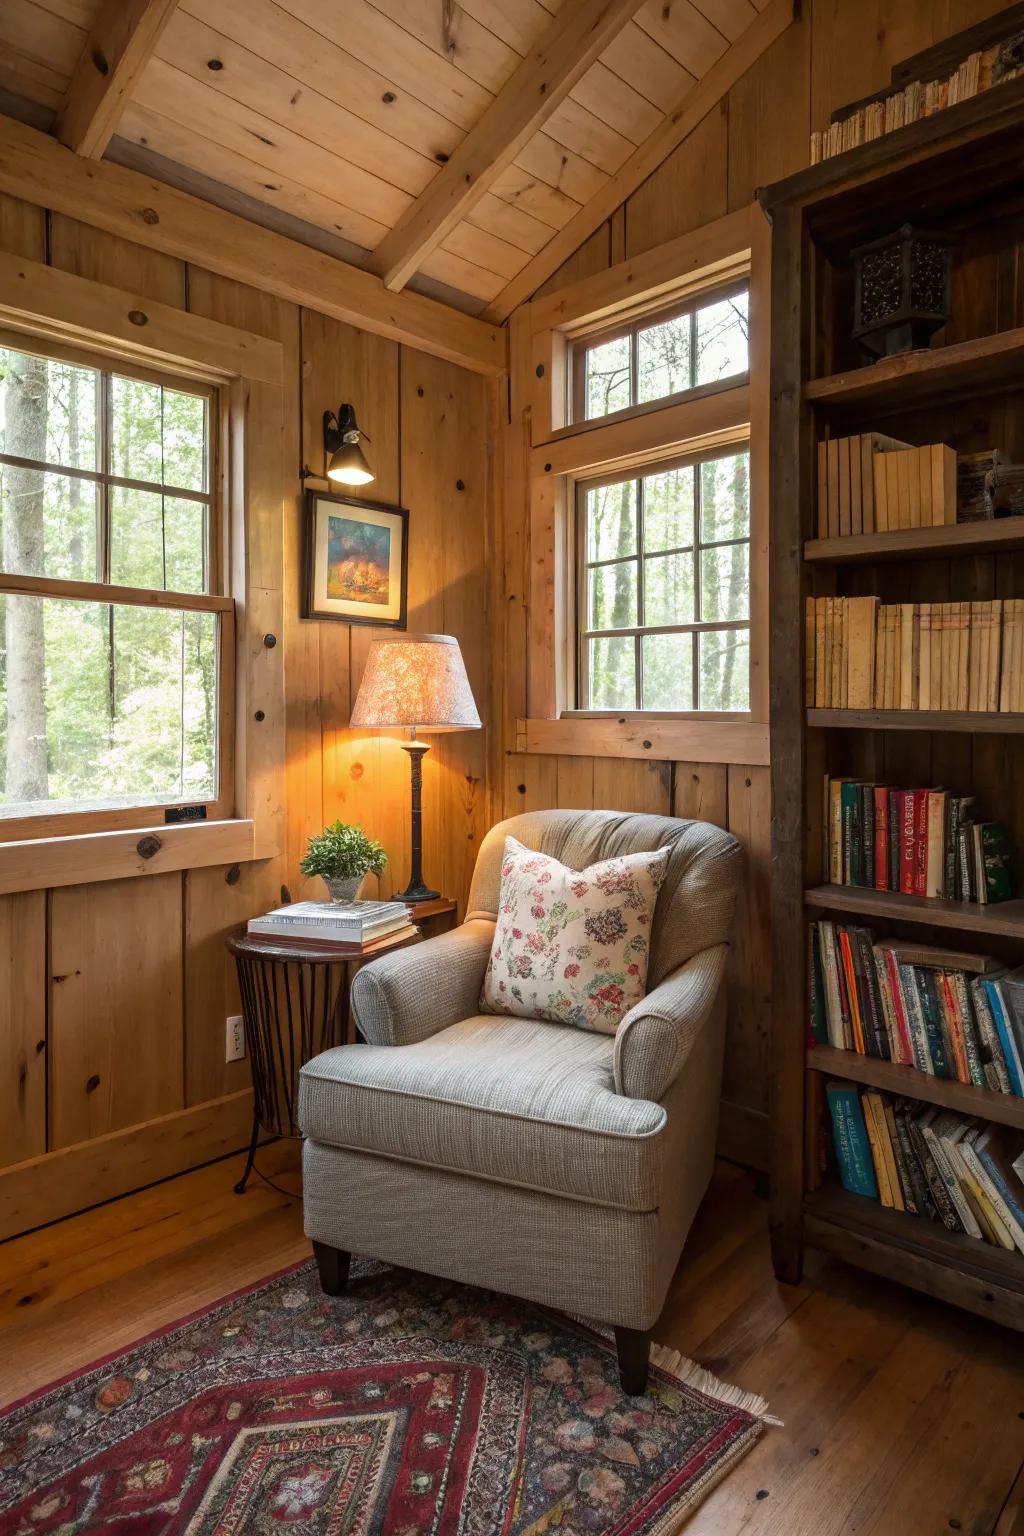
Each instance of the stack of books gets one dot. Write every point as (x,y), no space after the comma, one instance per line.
(870,483)
(930,1162)
(351,923)
(863,654)
(896,109)
(920,842)
(944,1012)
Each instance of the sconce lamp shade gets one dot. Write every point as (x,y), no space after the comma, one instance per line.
(419,681)
(348,466)
(346,461)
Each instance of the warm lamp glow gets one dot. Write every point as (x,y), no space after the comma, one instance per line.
(346,461)
(418,681)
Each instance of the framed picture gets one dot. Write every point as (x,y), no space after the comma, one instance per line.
(356,560)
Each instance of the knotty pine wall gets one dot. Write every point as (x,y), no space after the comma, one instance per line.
(146,1013)
(837,52)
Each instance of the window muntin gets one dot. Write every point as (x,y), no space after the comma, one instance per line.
(664,589)
(108,699)
(700,343)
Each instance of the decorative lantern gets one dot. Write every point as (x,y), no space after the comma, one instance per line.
(901,290)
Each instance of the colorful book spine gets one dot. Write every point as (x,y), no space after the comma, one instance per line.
(853,1152)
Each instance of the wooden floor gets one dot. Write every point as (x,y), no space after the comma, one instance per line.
(903,1417)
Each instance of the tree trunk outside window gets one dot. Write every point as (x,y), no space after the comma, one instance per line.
(23,553)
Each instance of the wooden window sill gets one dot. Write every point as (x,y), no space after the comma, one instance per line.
(43,863)
(695,739)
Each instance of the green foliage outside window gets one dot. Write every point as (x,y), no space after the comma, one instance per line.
(103,704)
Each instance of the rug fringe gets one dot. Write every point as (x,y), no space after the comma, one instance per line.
(691,1374)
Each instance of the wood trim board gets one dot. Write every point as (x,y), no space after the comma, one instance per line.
(56,1184)
(45,301)
(696,740)
(47,862)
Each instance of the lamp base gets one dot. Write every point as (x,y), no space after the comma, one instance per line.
(415,893)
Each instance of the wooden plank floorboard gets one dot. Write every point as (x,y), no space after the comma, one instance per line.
(900,1414)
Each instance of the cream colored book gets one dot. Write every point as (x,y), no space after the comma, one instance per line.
(861,641)
(963,653)
(924,666)
(995,653)
(823,489)
(867,482)
(832,450)
(975,676)
(856,496)
(843,447)
(909,636)
(943,492)
(892,491)
(912,458)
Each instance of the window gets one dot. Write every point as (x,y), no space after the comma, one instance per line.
(663,588)
(699,343)
(110,628)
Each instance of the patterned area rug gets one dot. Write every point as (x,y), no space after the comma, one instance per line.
(409,1405)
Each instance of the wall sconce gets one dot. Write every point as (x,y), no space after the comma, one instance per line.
(346,462)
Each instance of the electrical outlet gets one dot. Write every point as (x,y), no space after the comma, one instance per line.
(234,1045)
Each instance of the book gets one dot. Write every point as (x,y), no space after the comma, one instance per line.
(344,922)
(920,842)
(1005,1035)
(850,1138)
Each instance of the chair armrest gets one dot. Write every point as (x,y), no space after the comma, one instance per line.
(655,1038)
(407,996)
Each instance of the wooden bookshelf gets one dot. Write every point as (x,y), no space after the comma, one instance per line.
(1004,919)
(959,173)
(917,1252)
(932,376)
(994,534)
(893,1078)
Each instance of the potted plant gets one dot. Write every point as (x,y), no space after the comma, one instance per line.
(341,855)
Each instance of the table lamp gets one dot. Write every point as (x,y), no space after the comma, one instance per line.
(418,681)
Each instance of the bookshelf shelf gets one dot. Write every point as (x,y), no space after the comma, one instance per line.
(991,536)
(929,377)
(917,1252)
(912,1084)
(959,173)
(1003,919)
(977,722)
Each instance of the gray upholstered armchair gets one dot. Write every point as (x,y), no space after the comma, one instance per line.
(532,1158)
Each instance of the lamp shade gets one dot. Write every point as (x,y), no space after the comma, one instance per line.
(419,680)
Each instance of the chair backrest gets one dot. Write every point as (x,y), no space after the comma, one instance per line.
(695,904)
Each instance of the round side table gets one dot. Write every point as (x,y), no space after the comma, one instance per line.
(295,998)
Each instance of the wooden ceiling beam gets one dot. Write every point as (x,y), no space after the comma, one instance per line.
(117,50)
(691,111)
(576,38)
(34,167)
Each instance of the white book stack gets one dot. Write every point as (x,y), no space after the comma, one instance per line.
(350,922)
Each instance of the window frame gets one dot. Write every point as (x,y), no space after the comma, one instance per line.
(580,596)
(642,320)
(221,806)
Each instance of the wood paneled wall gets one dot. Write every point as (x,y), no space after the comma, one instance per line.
(115,995)
(838,51)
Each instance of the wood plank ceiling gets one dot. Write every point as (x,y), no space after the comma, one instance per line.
(337,115)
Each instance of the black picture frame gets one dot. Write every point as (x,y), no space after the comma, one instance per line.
(358,510)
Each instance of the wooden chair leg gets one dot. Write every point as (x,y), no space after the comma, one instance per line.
(332,1267)
(633,1346)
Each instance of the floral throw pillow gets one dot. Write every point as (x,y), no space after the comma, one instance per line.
(571,945)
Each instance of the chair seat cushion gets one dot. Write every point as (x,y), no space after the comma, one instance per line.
(514,1100)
